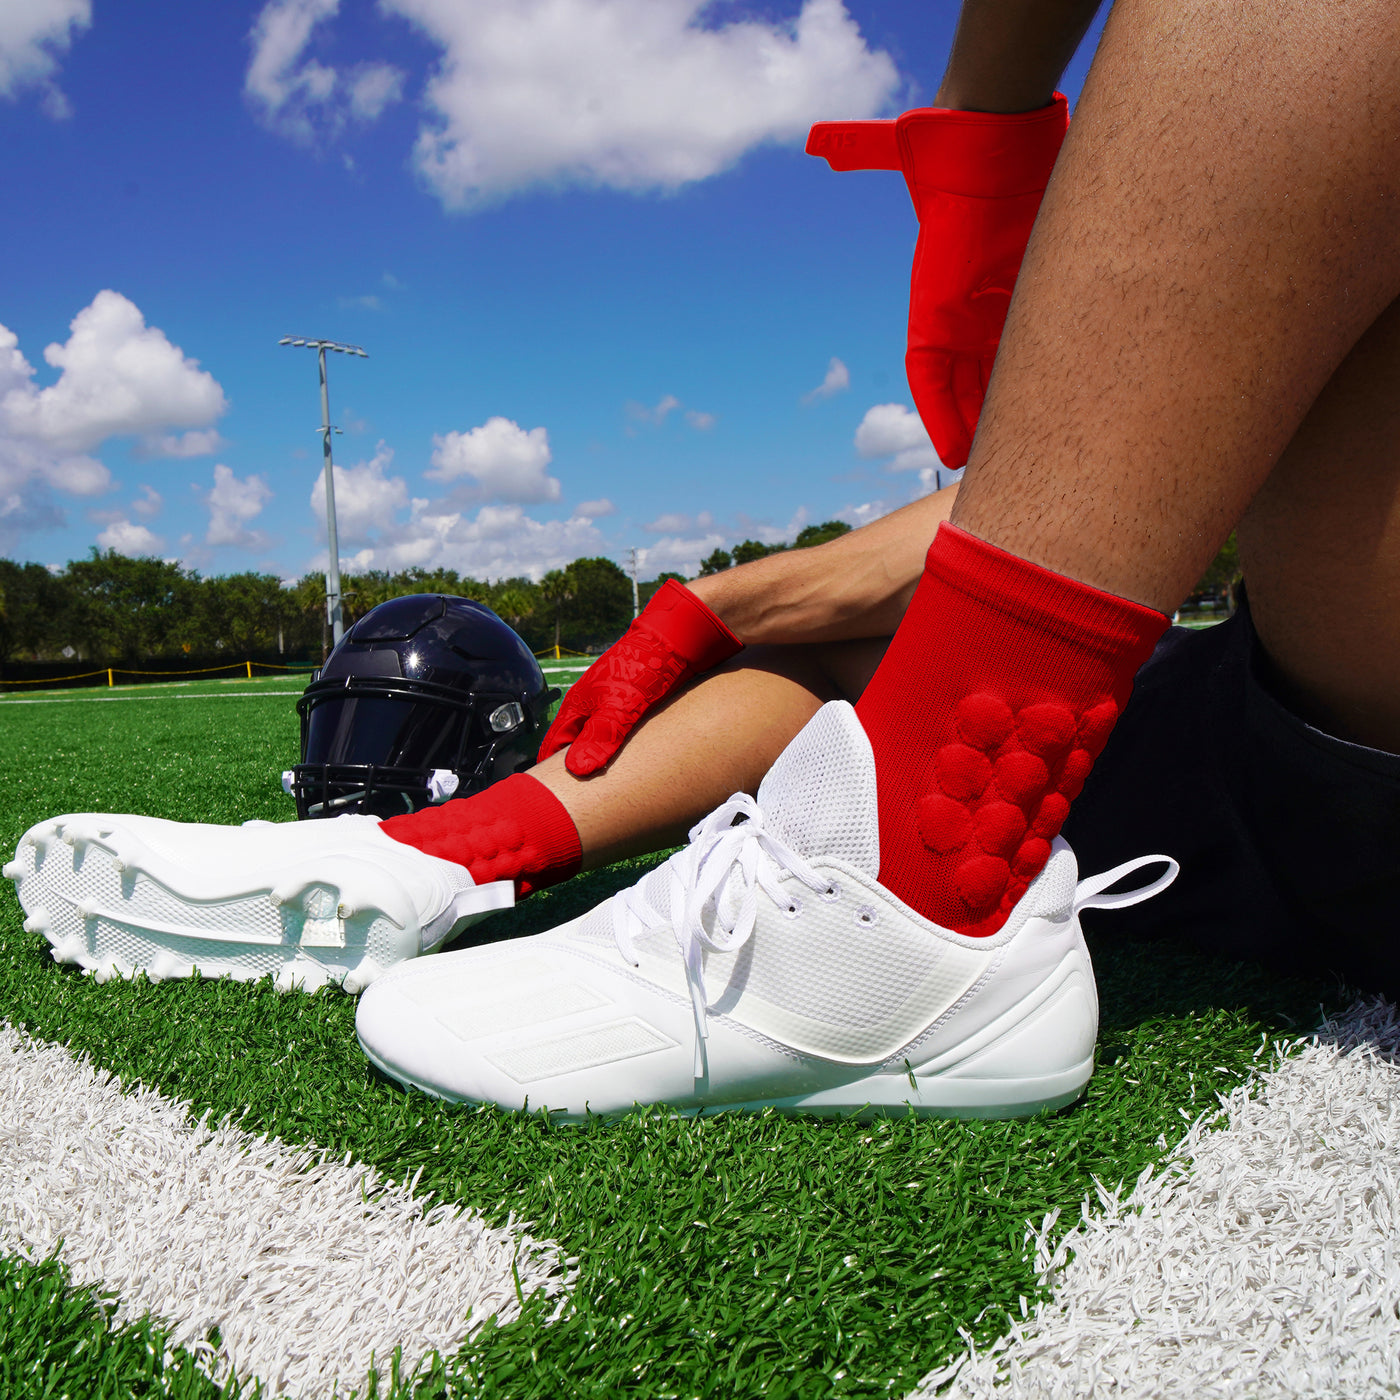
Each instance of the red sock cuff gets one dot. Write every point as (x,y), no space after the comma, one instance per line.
(1085,616)
(516,829)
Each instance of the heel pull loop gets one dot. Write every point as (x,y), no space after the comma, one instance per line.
(1089,894)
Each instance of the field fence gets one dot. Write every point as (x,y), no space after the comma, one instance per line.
(112,676)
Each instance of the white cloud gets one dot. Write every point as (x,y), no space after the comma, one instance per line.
(896,431)
(381,527)
(676,523)
(667,405)
(232,503)
(499,461)
(678,554)
(33,33)
(594,510)
(373,87)
(196,443)
(838,379)
(118,378)
(627,94)
(148,505)
(364,497)
(130,539)
(748,528)
(299,96)
(498,542)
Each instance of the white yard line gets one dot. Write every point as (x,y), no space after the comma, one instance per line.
(1264,1262)
(307,1267)
(115,699)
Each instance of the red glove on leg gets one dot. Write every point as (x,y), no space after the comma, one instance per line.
(675,637)
(976,179)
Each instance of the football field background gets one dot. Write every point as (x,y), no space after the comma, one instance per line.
(730,1256)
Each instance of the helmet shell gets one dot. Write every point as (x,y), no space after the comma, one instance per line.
(422,690)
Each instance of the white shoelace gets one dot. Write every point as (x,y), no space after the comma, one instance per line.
(698,881)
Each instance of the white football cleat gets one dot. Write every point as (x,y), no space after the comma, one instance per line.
(307,902)
(764,965)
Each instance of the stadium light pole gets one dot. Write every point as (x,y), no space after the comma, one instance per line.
(333,609)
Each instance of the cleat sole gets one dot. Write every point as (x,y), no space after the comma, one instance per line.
(115,905)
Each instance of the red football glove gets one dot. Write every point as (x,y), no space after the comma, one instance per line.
(675,637)
(976,179)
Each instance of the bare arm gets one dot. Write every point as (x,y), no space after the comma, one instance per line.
(1008,55)
(854,586)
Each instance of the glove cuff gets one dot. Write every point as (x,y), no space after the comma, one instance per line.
(686,627)
(981,155)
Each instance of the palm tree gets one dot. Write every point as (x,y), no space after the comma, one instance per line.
(557,589)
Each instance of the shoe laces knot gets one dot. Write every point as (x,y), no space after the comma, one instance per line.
(707,894)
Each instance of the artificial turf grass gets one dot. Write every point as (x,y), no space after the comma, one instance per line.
(737,1255)
(57,1343)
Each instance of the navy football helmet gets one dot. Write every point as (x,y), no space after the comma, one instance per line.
(426,697)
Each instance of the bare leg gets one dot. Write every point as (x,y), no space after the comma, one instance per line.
(718,736)
(1321,549)
(1220,231)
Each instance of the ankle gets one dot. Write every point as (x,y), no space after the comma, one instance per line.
(516,829)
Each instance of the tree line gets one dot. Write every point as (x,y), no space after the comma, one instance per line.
(111,609)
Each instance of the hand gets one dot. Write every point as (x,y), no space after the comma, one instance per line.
(675,637)
(976,179)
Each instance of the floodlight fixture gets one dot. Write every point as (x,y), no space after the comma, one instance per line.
(334,612)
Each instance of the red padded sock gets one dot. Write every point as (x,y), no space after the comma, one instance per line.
(515,830)
(986,714)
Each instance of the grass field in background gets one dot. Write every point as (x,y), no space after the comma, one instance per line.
(731,1256)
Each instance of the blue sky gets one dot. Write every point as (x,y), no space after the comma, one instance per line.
(600,285)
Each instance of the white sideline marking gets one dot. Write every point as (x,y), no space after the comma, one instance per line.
(117,699)
(114,699)
(1263,1262)
(306,1266)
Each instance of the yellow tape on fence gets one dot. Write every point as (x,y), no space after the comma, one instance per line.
(54,680)
(111,672)
(559,653)
(197,671)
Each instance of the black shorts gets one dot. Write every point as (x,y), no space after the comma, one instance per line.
(1288,838)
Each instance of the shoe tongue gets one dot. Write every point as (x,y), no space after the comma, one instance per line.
(819,797)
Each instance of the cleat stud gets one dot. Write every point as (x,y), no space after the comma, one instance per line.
(14,870)
(86,909)
(357,980)
(37,922)
(343,911)
(118,864)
